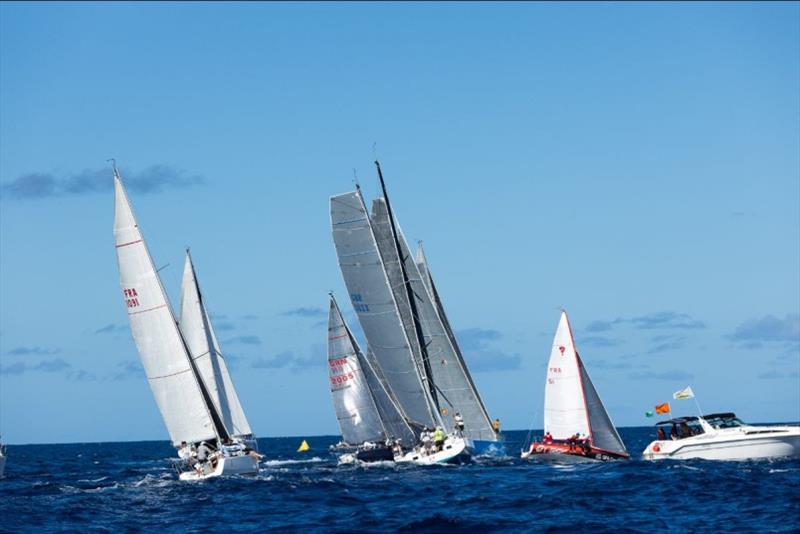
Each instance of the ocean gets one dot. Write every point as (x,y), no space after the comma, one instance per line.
(129,487)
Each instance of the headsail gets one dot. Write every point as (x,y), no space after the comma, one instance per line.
(571,403)
(476,418)
(201,340)
(452,384)
(373,301)
(182,399)
(355,408)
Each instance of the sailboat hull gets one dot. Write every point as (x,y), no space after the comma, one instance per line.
(489,447)
(455,451)
(246,464)
(562,453)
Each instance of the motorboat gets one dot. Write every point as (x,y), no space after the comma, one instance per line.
(721,436)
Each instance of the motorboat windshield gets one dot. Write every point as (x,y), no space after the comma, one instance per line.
(723,420)
(680,428)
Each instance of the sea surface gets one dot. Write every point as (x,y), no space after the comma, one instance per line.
(129,487)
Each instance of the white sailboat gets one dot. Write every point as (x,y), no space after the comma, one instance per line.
(576,424)
(182,396)
(393,328)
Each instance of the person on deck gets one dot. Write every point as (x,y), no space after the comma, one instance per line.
(459,423)
(496,425)
(426,438)
(573,440)
(438,438)
(548,438)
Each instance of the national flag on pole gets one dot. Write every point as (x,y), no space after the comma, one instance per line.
(683,394)
(662,408)
(648,413)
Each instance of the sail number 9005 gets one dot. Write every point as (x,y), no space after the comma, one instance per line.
(341,379)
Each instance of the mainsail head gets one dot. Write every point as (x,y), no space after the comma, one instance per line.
(164,356)
(201,340)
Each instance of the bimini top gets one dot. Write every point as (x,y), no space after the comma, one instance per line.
(712,418)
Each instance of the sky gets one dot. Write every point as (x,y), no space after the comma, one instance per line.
(635,164)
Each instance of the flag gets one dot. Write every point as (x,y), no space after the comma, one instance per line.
(662,408)
(683,394)
(648,413)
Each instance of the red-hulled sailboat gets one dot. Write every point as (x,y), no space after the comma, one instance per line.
(576,424)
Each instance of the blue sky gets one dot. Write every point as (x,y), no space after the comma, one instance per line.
(637,164)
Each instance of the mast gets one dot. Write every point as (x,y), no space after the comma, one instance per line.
(427,374)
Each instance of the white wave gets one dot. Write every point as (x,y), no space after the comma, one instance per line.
(274,463)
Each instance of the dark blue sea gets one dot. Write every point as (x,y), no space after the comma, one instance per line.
(119,487)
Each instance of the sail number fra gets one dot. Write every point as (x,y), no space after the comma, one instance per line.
(131,297)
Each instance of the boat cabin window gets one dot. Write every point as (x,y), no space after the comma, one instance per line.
(725,421)
(678,429)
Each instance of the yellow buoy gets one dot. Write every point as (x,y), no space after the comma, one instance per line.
(303,447)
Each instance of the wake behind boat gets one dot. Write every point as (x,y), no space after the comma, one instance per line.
(183,364)
(721,436)
(577,426)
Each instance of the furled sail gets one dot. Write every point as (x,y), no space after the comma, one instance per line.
(452,385)
(571,403)
(355,408)
(181,398)
(373,301)
(201,340)
(476,418)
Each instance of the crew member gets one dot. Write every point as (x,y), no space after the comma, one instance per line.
(459,421)
(496,425)
(438,438)
(548,438)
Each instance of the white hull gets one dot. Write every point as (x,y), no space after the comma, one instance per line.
(744,443)
(455,450)
(232,465)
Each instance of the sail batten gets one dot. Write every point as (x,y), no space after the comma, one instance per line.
(181,398)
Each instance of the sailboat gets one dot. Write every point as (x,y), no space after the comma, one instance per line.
(370,422)
(2,459)
(183,396)
(386,304)
(577,426)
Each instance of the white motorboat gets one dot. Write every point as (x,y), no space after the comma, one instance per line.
(721,436)
(456,449)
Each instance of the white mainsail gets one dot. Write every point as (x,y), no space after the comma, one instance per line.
(201,340)
(571,403)
(178,393)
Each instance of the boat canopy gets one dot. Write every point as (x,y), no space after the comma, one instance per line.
(710,418)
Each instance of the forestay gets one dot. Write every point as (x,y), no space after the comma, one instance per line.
(452,385)
(564,405)
(355,408)
(201,340)
(373,301)
(162,351)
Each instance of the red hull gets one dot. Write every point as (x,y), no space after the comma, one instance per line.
(577,450)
